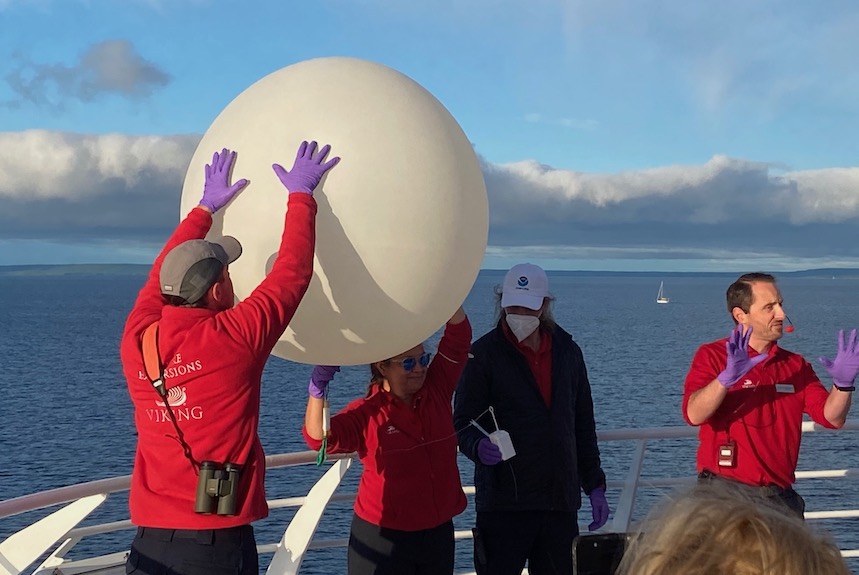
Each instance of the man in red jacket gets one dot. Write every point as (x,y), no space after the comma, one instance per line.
(198,476)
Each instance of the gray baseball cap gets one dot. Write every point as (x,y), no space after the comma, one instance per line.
(192,267)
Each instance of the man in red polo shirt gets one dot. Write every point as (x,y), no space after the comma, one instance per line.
(748,395)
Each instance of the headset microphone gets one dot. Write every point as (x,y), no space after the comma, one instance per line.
(789,327)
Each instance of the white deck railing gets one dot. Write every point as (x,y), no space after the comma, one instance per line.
(49,540)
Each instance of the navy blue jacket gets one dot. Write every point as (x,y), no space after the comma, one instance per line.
(556,447)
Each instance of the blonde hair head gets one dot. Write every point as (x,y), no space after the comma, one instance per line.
(717,528)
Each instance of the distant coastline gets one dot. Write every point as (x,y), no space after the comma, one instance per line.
(143,269)
(75,269)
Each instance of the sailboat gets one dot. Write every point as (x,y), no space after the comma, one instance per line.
(660,296)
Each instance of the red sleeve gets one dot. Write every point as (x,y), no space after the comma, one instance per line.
(347,430)
(451,357)
(261,318)
(147,308)
(706,365)
(814,395)
(313,444)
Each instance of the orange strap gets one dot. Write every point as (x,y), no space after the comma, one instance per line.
(155,373)
(151,359)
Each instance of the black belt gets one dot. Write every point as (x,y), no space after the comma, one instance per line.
(771,490)
(202,536)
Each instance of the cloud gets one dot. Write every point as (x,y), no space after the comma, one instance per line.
(720,191)
(85,188)
(111,67)
(56,185)
(675,211)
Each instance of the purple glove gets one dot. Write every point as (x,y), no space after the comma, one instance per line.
(307,170)
(845,366)
(599,509)
(217,191)
(739,362)
(320,378)
(488,453)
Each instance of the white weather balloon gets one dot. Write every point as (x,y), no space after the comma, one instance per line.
(403,219)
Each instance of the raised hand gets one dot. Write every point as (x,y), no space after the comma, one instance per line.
(845,366)
(739,362)
(217,191)
(599,509)
(307,170)
(487,452)
(320,378)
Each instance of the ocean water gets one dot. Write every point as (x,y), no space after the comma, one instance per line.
(66,416)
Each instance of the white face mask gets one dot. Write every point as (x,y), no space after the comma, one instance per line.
(522,325)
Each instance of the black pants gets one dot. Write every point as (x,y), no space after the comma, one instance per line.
(505,540)
(231,551)
(788,498)
(375,550)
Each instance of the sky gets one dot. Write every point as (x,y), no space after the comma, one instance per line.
(612,134)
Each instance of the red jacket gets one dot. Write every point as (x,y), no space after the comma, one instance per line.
(761,414)
(410,480)
(213,365)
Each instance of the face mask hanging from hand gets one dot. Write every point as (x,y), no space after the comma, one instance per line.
(522,325)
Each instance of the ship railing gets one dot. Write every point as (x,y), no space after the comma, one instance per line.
(49,540)
(622,520)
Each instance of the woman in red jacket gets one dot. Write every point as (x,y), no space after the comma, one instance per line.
(402,430)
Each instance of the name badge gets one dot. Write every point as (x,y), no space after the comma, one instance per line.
(784,388)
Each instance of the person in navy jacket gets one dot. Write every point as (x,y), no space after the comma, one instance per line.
(528,377)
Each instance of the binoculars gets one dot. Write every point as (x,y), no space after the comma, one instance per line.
(217,488)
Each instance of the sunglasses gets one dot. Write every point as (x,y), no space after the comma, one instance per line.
(409,363)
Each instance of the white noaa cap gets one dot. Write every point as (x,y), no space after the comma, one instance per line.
(525,285)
